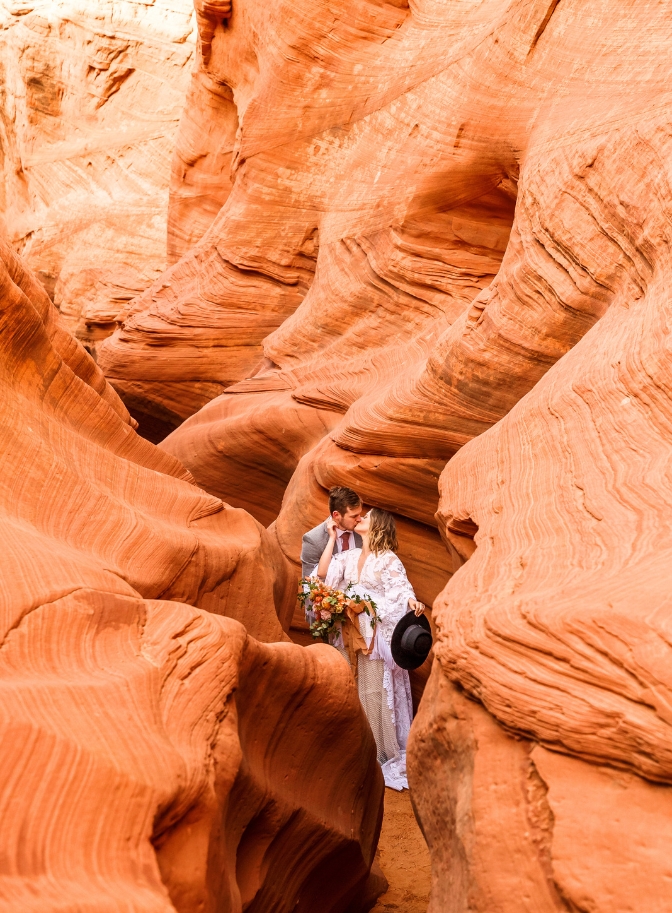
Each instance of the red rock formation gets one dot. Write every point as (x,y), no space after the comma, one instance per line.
(384,292)
(146,764)
(155,755)
(259,257)
(121,507)
(449,225)
(515,827)
(90,98)
(557,623)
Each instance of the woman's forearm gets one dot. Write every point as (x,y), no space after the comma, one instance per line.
(325,559)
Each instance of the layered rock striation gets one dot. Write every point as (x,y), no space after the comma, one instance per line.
(445,240)
(164,747)
(558,622)
(90,100)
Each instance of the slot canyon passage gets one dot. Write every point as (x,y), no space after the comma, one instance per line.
(252,250)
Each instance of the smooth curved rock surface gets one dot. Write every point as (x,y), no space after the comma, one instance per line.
(446,240)
(103,507)
(156,755)
(90,104)
(145,765)
(516,828)
(304,195)
(559,620)
(403,331)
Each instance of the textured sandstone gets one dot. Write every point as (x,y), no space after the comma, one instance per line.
(155,755)
(444,238)
(593,679)
(458,217)
(516,828)
(146,767)
(90,99)
(104,508)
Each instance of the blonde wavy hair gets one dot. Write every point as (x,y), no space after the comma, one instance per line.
(382,532)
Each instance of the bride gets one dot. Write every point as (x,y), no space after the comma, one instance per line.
(384,689)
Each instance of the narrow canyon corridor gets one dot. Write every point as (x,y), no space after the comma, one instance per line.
(252,253)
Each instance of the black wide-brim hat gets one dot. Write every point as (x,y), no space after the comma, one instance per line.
(411,641)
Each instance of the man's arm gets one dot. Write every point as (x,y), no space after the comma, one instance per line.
(311,550)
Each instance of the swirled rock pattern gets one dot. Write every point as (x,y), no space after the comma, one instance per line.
(515,827)
(90,100)
(598,540)
(164,747)
(445,240)
(81,485)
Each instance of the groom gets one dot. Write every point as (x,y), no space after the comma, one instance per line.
(345,506)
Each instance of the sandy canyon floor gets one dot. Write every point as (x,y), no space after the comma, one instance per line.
(403,857)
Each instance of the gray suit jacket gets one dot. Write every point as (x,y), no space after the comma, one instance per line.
(314,543)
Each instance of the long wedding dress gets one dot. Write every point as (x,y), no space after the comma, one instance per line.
(384,688)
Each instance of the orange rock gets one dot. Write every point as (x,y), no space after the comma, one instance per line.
(216,443)
(200,180)
(120,513)
(515,827)
(296,199)
(154,753)
(145,765)
(445,239)
(91,101)
(580,614)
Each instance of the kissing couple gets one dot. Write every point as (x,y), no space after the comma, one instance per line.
(354,549)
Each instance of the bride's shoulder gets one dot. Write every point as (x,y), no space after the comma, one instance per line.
(391,559)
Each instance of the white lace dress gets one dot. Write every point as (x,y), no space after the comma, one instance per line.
(384,688)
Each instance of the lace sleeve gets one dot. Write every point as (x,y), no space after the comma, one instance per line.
(398,591)
(336,573)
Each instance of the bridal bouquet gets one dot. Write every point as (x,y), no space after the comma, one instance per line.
(332,607)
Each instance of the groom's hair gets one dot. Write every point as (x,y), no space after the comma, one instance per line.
(342,498)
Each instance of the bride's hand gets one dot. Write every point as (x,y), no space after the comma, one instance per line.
(331,528)
(415,606)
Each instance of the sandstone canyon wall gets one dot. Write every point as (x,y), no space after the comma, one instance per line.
(444,242)
(163,746)
(90,99)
